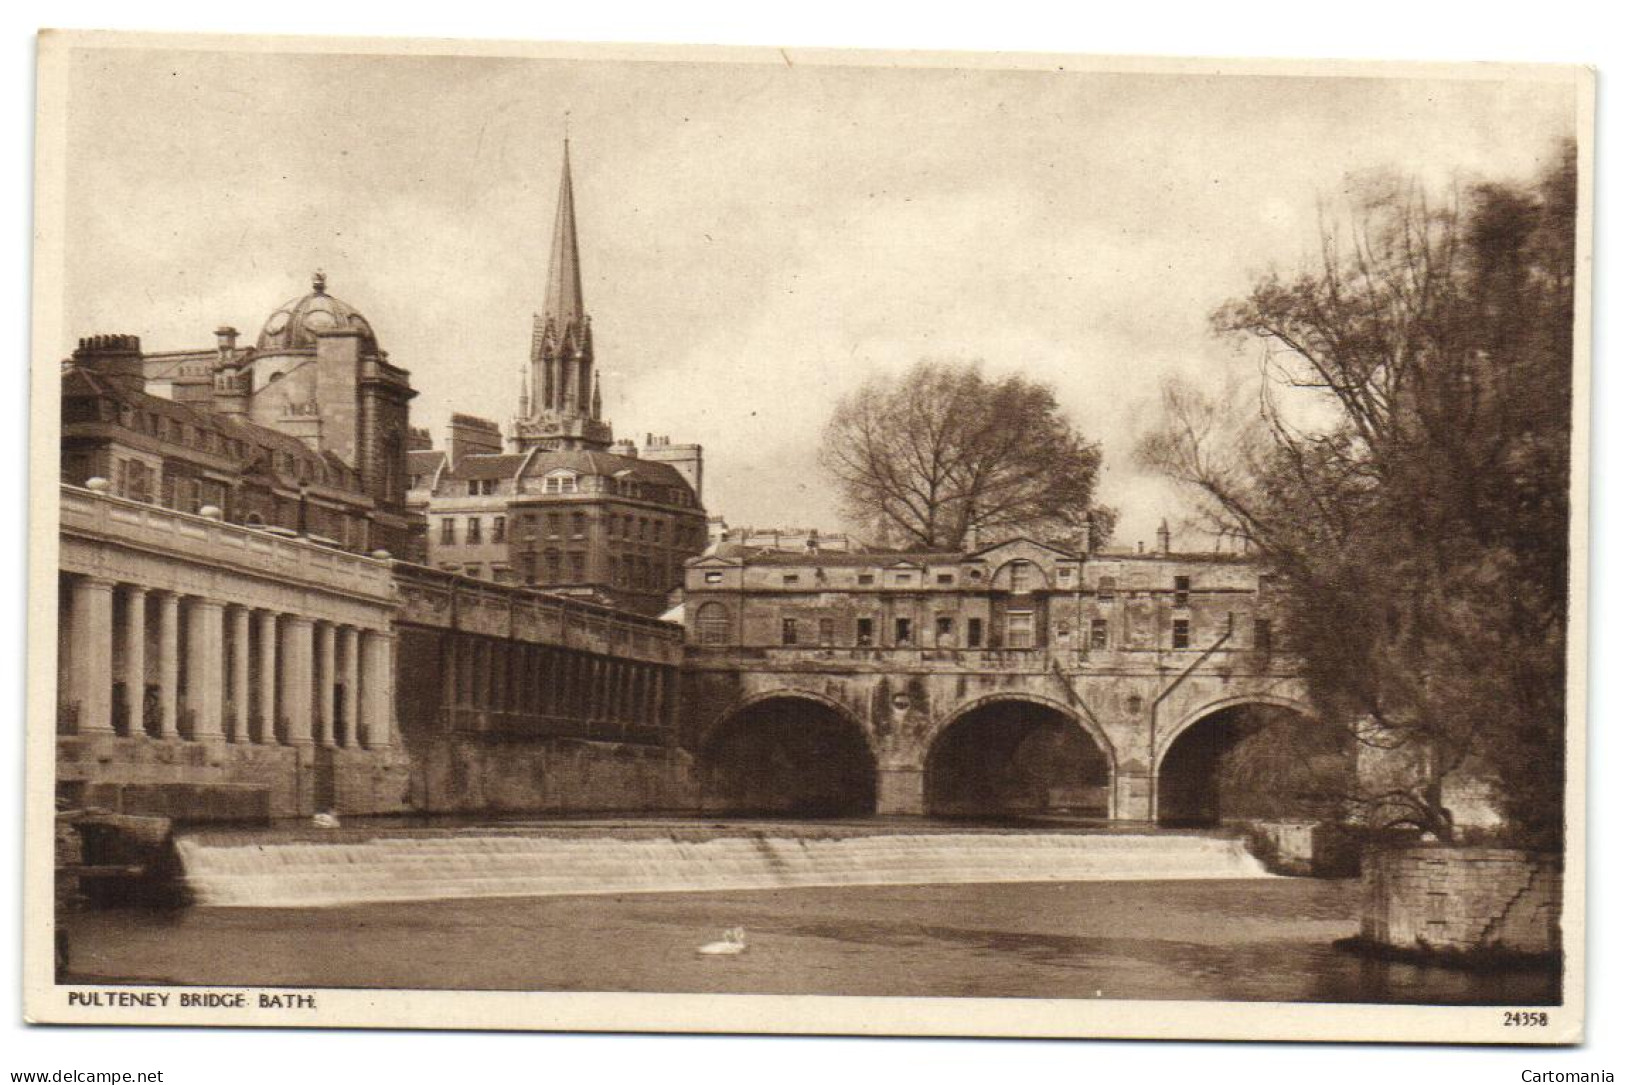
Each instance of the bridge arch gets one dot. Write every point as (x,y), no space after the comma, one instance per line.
(1015,753)
(1246,756)
(787,752)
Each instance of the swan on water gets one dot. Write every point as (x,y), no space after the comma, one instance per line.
(733,941)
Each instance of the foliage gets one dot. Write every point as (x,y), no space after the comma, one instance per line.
(944,455)
(1405,470)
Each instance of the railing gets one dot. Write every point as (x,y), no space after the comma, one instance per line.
(215,542)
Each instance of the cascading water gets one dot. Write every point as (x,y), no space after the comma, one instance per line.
(264,871)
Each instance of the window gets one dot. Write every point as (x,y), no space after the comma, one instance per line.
(712,623)
(945,629)
(578,524)
(1021,576)
(905,578)
(499,529)
(789,625)
(555,524)
(1018,629)
(1064,573)
(1106,590)
(1182,591)
(713,578)
(559,484)
(866,632)
(448,531)
(578,567)
(866,578)
(945,578)
(1097,634)
(473,535)
(826,632)
(973,632)
(614,570)
(905,631)
(1182,633)
(527,565)
(1263,635)
(137,480)
(473,487)
(550,566)
(792,578)
(659,529)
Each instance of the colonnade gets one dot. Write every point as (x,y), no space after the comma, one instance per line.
(520,679)
(174,666)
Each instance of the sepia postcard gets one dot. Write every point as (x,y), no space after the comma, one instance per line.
(560,537)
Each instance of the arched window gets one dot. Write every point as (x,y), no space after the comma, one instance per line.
(712,623)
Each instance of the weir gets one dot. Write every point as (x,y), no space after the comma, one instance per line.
(265,870)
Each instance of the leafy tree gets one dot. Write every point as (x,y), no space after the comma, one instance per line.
(943,454)
(1405,470)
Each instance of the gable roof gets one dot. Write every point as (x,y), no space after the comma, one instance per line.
(1019,541)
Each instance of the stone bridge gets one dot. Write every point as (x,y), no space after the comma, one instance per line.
(925,724)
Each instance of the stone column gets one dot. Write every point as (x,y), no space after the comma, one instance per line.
(351,638)
(326,679)
(239,674)
(91,676)
(297,678)
(378,688)
(205,670)
(169,664)
(135,658)
(450,664)
(268,683)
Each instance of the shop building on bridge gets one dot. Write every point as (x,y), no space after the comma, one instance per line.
(1016,678)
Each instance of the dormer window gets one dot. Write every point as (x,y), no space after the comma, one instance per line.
(562,482)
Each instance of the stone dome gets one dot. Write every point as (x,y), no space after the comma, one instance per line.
(294,326)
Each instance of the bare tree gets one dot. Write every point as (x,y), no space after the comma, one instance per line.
(942,454)
(1404,467)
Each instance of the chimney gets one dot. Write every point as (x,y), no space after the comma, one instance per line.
(1164,537)
(225,341)
(469,435)
(688,459)
(115,358)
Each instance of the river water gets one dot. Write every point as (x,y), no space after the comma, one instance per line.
(1249,940)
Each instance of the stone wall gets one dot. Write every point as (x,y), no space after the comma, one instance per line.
(1462,900)
(228,782)
(475,774)
(1304,848)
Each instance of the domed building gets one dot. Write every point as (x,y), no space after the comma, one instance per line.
(305,431)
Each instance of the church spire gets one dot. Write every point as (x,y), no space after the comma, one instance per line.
(563,305)
(559,405)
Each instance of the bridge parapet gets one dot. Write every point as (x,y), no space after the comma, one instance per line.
(451,601)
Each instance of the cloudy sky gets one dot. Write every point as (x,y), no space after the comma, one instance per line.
(756,238)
